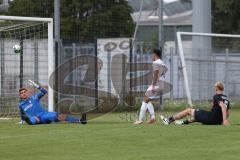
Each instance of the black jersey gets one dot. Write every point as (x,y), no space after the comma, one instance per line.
(217,99)
(215,115)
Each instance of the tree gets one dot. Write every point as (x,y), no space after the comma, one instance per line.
(82,19)
(225,16)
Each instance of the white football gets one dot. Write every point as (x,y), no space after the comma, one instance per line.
(17,48)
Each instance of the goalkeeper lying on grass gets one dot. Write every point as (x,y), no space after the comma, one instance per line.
(218,115)
(33,113)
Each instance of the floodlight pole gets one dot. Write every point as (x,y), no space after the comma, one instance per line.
(160,23)
(160,37)
(57,20)
(57,17)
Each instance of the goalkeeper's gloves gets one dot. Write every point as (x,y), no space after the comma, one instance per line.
(33,84)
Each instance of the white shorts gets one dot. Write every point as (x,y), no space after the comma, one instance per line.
(161,88)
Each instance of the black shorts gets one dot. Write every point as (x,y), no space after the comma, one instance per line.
(207,117)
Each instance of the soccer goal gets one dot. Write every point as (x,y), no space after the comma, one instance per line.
(205,59)
(34,61)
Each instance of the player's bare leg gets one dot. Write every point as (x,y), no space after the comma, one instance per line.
(184,113)
(180,115)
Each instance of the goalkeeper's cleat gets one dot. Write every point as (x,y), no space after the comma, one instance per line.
(179,122)
(83,119)
(151,121)
(165,120)
(138,122)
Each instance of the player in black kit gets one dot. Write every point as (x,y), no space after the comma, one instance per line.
(218,115)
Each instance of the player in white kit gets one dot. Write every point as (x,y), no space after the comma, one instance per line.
(154,90)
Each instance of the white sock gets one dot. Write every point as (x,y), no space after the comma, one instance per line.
(151,110)
(142,111)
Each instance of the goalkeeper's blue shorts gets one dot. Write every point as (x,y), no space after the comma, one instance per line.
(49,117)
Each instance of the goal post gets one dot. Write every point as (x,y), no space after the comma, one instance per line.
(184,68)
(207,58)
(30,31)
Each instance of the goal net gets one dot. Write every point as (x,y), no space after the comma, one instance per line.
(33,61)
(205,59)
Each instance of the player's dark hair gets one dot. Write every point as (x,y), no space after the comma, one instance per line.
(21,89)
(158,52)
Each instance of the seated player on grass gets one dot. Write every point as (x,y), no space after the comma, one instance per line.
(33,113)
(218,115)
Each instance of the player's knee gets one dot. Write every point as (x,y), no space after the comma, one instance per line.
(190,111)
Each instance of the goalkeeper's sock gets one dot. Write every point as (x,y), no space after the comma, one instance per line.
(72,119)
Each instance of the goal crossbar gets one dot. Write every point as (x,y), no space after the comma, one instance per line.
(35,19)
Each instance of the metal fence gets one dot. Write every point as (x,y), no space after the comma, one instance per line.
(99,76)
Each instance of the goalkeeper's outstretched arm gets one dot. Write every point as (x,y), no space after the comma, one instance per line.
(41,89)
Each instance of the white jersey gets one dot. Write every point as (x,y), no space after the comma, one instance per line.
(162,68)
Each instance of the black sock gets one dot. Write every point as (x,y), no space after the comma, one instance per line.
(186,122)
(171,119)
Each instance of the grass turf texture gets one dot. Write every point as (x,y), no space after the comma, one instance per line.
(111,137)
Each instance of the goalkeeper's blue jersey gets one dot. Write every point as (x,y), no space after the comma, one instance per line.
(31,106)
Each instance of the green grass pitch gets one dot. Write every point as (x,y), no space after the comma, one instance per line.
(111,138)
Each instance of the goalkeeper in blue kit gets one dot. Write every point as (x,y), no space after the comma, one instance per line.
(32,112)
